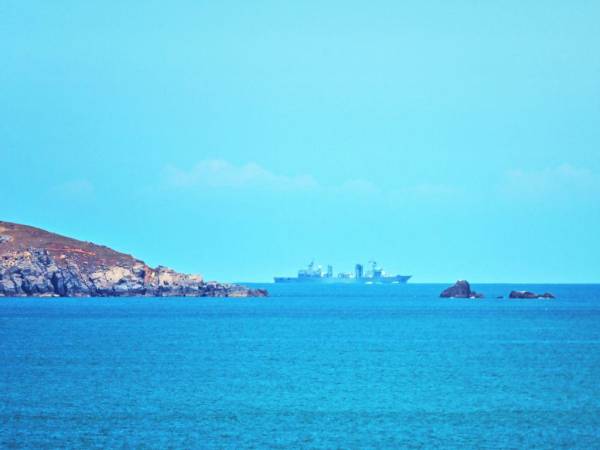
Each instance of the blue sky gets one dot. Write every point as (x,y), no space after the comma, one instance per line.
(241,139)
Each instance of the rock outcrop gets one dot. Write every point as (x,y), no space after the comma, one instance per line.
(461,289)
(528,294)
(34,262)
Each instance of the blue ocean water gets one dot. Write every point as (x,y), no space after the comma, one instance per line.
(309,367)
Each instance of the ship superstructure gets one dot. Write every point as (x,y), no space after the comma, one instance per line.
(315,274)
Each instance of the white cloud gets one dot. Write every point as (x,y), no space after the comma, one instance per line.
(78,188)
(357,187)
(218,173)
(561,180)
(430,191)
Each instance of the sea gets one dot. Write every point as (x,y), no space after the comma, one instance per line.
(323,366)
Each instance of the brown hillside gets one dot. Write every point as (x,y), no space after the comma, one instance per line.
(19,238)
(34,262)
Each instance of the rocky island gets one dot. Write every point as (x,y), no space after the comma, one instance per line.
(461,289)
(34,262)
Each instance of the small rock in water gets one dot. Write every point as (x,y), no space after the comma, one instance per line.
(461,289)
(528,294)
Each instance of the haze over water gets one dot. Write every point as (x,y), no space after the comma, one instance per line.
(311,366)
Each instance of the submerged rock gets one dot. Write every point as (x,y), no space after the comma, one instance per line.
(461,289)
(34,262)
(528,294)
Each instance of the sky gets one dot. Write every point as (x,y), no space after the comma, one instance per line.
(240,140)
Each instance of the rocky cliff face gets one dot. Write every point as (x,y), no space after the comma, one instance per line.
(34,262)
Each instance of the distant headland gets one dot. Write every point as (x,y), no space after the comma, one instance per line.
(34,262)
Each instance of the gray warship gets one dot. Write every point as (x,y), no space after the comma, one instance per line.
(315,274)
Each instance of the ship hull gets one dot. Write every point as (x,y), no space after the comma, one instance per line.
(399,279)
